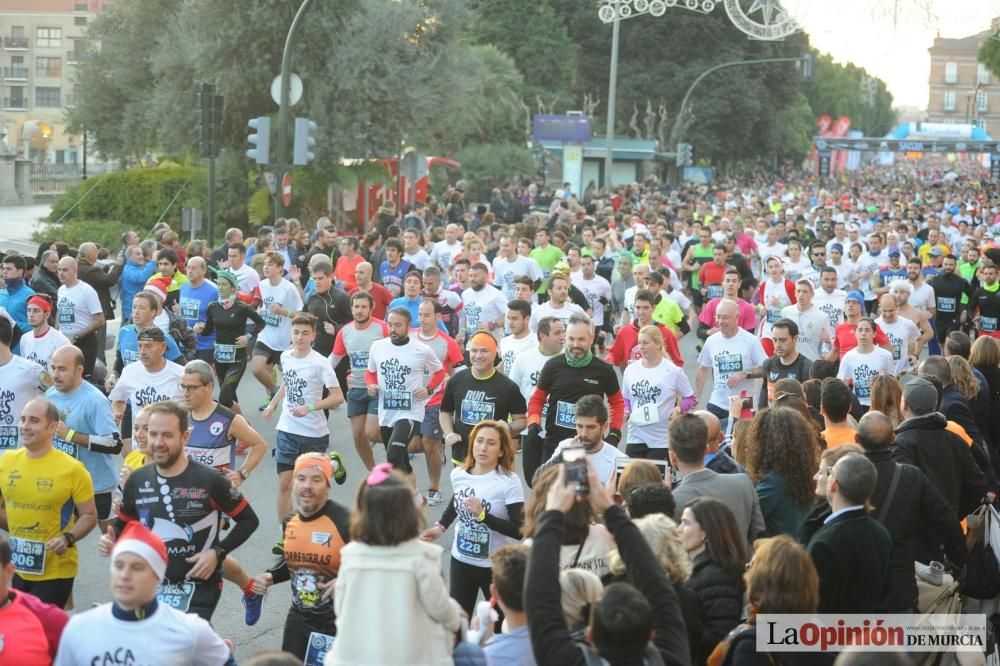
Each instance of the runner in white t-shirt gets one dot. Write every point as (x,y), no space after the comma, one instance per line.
(247,278)
(483,305)
(733,356)
(828,298)
(591,424)
(508,264)
(38,345)
(558,305)
(20,381)
(865,362)
(302,426)
(396,367)
(595,289)
(903,334)
(150,379)
(444,252)
(79,314)
(520,339)
(280,301)
(654,390)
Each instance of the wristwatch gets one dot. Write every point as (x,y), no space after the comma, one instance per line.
(220,553)
(70,539)
(242,473)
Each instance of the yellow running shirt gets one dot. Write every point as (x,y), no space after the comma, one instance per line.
(40,494)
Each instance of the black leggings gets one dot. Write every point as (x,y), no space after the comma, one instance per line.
(397,441)
(88,347)
(466,581)
(531,456)
(229,375)
(297,631)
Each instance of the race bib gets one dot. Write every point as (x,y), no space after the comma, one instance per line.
(566,415)
(729,364)
(359,359)
(897,349)
(319,646)
(225,353)
(129,356)
(219,457)
(476,411)
(190,308)
(773,315)
(988,324)
(68,448)
(714,291)
(28,556)
(646,414)
(397,400)
(862,387)
(473,542)
(67,316)
(270,318)
(8,437)
(176,595)
(946,304)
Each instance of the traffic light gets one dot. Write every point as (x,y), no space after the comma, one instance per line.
(685,156)
(260,140)
(301,154)
(808,67)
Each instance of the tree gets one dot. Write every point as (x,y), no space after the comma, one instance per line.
(840,90)
(535,37)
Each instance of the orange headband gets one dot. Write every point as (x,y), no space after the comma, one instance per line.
(488,340)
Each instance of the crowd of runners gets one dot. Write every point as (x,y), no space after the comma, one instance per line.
(835,419)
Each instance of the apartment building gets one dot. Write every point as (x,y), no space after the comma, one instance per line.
(40,43)
(962,89)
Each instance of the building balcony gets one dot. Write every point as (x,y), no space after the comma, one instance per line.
(15,104)
(16,73)
(15,43)
(50,73)
(74,57)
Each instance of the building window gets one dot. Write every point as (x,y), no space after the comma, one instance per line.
(17,31)
(80,7)
(983,74)
(79,20)
(15,98)
(949,100)
(51,67)
(982,100)
(951,72)
(50,98)
(48,38)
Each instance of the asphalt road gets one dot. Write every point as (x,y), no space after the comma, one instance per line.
(92,581)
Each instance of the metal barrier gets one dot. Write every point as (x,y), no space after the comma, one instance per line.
(58,178)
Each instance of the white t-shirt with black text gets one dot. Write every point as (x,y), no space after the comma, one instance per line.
(727,356)
(277,335)
(76,308)
(475,542)
(863,368)
(140,387)
(40,349)
(400,370)
(303,380)
(901,333)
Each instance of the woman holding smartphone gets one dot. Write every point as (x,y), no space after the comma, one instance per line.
(488,502)
(655,390)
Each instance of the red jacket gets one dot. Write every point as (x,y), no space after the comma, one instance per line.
(626,347)
(758,295)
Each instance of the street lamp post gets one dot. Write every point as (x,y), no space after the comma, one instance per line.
(774,24)
(284,108)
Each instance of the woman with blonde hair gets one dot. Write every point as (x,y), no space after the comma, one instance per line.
(661,533)
(655,390)
(886,396)
(638,473)
(580,591)
(781,579)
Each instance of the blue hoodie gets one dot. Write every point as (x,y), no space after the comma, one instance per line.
(133,279)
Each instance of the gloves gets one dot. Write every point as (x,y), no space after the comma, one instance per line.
(533,430)
(614,436)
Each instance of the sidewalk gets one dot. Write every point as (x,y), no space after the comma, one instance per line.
(17,224)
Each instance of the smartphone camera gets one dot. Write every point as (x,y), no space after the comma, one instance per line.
(575,466)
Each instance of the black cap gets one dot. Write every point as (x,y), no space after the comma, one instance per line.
(152,334)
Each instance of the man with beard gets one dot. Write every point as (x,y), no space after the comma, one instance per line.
(169,497)
(483,304)
(313,537)
(568,377)
(949,290)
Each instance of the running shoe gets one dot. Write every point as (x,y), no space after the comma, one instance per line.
(254,605)
(340,471)
(434,497)
(268,401)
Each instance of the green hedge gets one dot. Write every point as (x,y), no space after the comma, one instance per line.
(136,197)
(106,233)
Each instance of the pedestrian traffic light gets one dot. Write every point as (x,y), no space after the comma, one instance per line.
(301,154)
(684,155)
(260,140)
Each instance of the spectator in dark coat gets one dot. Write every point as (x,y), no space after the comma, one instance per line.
(913,511)
(852,551)
(946,460)
(718,555)
(45,279)
(627,621)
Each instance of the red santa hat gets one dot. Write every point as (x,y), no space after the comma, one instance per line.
(158,286)
(139,540)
